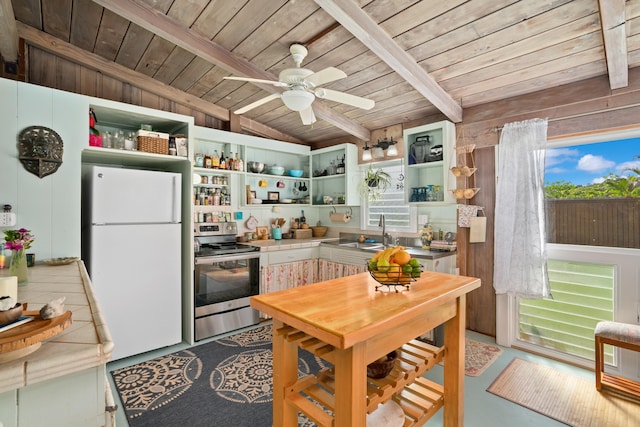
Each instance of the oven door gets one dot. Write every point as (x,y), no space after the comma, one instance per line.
(219,280)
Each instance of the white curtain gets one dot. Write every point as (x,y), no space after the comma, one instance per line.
(520,255)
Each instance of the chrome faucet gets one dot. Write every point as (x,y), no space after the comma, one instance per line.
(386,237)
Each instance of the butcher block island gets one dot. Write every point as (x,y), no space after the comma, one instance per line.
(349,324)
(63,381)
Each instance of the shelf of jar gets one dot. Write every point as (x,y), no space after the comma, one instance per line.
(268,175)
(212,208)
(198,184)
(210,171)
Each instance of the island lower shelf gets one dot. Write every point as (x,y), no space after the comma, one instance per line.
(419,398)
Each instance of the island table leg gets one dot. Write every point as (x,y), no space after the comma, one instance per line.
(454,341)
(285,374)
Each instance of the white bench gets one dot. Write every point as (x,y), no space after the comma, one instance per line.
(624,335)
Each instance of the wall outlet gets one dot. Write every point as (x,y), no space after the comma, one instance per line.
(7,219)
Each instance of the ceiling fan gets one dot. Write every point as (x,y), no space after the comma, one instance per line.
(301,88)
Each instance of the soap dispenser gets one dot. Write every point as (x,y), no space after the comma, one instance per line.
(426,236)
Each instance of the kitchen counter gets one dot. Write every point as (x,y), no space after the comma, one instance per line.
(71,365)
(417,252)
(285,244)
(350,324)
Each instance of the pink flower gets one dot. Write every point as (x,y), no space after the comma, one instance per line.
(18,239)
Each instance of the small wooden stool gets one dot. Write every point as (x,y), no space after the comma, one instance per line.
(622,335)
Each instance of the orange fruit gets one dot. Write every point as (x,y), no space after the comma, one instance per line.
(401,257)
(394,271)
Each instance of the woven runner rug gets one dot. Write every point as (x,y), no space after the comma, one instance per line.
(564,397)
(227,382)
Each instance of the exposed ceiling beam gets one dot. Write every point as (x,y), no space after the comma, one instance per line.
(112,69)
(8,32)
(158,23)
(612,17)
(365,29)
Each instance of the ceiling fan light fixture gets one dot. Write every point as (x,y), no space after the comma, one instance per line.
(297,99)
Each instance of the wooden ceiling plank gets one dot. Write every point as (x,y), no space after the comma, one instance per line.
(110,35)
(612,14)
(214,17)
(8,32)
(158,23)
(57,18)
(28,12)
(525,62)
(75,54)
(135,42)
(456,62)
(173,65)
(191,73)
(566,76)
(154,56)
(366,30)
(532,72)
(85,21)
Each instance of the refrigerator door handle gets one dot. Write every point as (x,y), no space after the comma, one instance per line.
(176,200)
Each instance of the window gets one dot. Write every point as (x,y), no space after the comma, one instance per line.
(592,249)
(399,216)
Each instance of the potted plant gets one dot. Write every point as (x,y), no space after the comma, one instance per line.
(375,182)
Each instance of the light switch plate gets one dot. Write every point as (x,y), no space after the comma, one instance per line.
(7,219)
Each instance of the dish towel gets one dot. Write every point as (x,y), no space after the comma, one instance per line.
(465,213)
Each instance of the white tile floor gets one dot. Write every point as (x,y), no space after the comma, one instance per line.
(482,409)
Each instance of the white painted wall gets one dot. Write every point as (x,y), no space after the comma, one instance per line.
(49,206)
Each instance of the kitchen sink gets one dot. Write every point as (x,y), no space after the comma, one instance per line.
(366,246)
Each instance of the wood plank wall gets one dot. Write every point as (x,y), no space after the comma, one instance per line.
(595,222)
(584,107)
(46,69)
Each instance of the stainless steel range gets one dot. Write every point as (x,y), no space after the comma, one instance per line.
(226,275)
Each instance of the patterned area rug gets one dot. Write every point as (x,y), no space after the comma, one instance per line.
(479,356)
(226,382)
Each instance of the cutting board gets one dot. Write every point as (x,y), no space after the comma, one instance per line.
(27,338)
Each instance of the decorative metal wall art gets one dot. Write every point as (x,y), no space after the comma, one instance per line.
(40,150)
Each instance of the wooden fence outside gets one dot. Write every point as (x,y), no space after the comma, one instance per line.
(594,222)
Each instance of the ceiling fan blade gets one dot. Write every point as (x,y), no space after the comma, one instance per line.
(249,79)
(345,98)
(307,116)
(327,75)
(258,103)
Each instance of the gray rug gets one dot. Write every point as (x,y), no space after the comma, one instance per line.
(227,382)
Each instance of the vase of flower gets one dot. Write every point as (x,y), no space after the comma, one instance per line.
(18,266)
(17,241)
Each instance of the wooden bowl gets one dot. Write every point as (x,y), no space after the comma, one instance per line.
(318,231)
(382,367)
(10,315)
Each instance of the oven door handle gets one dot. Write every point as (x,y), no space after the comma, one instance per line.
(231,257)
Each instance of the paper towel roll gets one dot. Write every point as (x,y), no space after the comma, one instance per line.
(340,217)
(9,286)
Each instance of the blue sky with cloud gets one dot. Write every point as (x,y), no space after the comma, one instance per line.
(589,163)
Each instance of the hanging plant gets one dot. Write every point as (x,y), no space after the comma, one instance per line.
(375,182)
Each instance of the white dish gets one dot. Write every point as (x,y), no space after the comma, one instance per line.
(286,200)
(257,201)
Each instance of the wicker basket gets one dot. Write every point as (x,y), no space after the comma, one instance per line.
(153,142)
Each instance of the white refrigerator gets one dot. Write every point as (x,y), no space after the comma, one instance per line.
(132,247)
